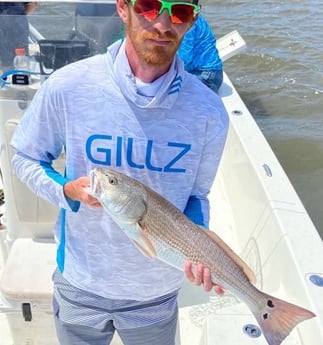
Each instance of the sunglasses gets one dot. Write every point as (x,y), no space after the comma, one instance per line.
(179,12)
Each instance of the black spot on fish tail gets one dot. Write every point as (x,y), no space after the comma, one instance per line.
(277,318)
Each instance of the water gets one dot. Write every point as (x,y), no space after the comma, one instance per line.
(280,78)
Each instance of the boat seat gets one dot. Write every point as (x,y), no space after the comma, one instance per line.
(27,215)
(25,283)
(29,226)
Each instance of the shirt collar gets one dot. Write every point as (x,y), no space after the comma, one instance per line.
(166,93)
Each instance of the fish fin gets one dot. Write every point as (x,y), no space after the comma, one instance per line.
(144,244)
(246,269)
(147,252)
(278,318)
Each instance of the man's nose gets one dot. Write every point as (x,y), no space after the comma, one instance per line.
(163,22)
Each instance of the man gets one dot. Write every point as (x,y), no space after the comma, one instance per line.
(197,50)
(138,112)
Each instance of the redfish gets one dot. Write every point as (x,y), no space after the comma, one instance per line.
(160,230)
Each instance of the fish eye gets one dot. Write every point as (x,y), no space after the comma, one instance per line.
(113,181)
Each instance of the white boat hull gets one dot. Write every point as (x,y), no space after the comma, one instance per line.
(256,210)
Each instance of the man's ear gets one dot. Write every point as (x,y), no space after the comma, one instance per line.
(122,8)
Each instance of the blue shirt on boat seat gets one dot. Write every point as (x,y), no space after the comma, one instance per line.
(200,55)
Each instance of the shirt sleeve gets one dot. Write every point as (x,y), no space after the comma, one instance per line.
(43,180)
(41,127)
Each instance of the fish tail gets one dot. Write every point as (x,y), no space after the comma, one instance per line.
(278,318)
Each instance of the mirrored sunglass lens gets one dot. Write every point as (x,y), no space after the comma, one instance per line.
(147,8)
(182,13)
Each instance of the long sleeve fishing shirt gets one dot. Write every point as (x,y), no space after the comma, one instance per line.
(95,112)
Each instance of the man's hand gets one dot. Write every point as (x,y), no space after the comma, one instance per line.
(201,275)
(75,191)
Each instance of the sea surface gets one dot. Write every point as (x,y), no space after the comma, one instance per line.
(280,78)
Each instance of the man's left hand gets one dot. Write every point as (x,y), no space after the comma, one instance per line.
(201,275)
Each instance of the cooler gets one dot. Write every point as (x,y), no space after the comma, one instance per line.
(26,289)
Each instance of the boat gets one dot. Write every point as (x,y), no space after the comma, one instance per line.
(254,208)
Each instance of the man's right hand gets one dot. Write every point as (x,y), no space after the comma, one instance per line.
(75,190)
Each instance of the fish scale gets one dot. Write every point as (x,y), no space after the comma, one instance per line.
(161,230)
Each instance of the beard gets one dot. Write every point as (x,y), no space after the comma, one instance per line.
(147,51)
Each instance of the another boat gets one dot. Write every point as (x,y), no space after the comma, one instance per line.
(254,208)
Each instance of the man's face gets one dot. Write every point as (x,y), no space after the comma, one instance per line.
(154,41)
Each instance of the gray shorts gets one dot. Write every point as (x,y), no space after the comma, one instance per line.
(84,318)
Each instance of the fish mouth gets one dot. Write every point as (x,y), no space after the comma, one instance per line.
(95,186)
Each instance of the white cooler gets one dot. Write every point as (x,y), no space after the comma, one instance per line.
(26,289)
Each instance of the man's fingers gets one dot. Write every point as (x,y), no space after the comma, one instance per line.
(188,271)
(207,281)
(201,275)
(218,289)
(91,201)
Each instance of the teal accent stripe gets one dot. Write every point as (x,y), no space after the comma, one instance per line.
(56,176)
(61,180)
(73,204)
(193,211)
(60,255)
